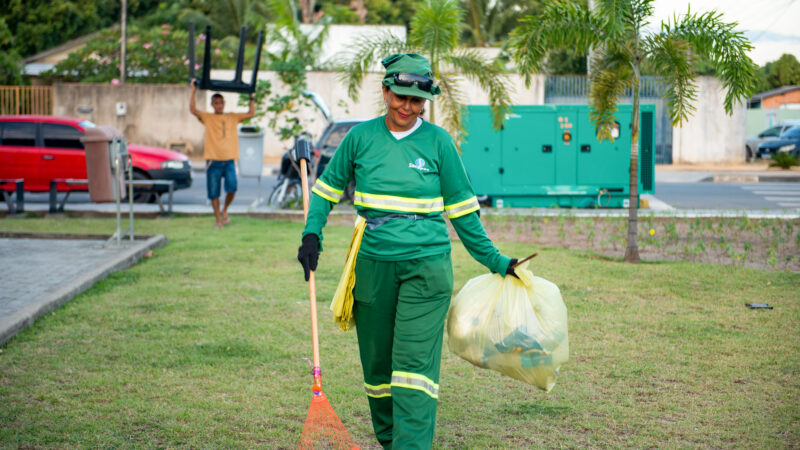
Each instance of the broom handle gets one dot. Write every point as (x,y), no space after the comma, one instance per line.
(312,290)
(526,259)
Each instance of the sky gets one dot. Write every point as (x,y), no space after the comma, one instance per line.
(773,26)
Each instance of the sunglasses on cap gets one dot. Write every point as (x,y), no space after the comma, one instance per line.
(421,82)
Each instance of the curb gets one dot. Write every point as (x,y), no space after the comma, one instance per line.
(19,320)
(752,178)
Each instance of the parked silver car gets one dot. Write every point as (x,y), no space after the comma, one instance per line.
(752,142)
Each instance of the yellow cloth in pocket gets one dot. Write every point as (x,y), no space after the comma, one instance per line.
(342,303)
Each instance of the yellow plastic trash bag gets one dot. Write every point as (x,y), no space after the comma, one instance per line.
(342,303)
(517,327)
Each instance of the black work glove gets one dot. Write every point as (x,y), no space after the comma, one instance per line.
(510,268)
(308,253)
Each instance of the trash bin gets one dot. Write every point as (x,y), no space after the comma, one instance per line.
(99,163)
(251,150)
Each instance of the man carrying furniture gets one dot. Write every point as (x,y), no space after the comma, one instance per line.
(221,150)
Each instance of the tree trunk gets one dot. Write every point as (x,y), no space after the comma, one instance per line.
(306,10)
(632,249)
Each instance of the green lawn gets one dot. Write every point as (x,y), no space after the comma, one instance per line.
(201,346)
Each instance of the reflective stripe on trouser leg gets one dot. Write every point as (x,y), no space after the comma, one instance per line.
(375,295)
(404,302)
(426,285)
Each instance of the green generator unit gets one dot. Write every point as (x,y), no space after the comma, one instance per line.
(549,156)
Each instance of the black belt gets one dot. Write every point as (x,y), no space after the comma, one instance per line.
(375,222)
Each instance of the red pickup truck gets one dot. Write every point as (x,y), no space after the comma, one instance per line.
(42,148)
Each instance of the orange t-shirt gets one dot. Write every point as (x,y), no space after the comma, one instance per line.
(222,140)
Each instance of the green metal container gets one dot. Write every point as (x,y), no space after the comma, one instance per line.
(549,156)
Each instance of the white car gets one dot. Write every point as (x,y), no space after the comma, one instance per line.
(752,142)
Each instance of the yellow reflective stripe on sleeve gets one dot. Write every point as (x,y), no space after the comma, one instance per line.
(325,191)
(379,391)
(400,204)
(415,381)
(462,208)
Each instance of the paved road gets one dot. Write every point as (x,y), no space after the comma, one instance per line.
(746,196)
(674,189)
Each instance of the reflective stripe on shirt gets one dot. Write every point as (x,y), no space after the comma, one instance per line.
(462,208)
(415,381)
(328,193)
(400,204)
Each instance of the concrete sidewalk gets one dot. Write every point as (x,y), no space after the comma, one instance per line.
(757,172)
(48,270)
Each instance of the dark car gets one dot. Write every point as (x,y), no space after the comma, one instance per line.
(42,148)
(331,138)
(773,132)
(788,142)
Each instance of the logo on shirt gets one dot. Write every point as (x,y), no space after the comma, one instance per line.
(419,164)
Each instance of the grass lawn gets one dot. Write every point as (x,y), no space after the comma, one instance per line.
(201,346)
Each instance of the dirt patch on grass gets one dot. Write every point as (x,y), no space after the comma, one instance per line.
(772,244)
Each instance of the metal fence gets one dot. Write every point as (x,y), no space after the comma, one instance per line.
(575,90)
(26,100)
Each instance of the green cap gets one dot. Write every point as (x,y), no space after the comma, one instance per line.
(408,63)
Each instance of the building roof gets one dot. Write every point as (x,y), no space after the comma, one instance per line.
(773,92)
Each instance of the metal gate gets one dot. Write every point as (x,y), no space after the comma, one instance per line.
(26,100)
(574,89)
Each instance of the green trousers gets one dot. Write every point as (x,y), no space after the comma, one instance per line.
(399,309)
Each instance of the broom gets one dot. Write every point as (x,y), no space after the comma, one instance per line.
(322,429)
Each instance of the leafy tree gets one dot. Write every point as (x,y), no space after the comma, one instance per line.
(385,12)
(42,24)
(785,71)
(614,29)
(488,22)
(10,62)
(435,29)
(565,62)
(294,53)
(154,55)
(226,18)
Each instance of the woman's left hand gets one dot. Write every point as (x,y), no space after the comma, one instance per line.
(510,269)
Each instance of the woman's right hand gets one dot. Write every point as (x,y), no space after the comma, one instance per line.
(308,253)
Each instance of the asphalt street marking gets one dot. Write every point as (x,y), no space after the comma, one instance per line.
(783,196)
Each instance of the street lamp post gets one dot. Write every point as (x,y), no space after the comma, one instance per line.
(124,43)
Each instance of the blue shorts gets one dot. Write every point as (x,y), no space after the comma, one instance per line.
(215,172)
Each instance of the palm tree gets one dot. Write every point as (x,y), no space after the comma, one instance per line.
(614,30)
(434,32)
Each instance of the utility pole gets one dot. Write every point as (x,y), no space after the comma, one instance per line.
(124,43)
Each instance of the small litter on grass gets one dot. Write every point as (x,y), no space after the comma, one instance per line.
(758,306)
(148,254)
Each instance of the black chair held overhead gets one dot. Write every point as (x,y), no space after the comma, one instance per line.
(235,85)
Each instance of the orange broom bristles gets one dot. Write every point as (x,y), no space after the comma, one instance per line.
(323,429)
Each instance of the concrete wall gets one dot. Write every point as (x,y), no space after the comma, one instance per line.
(710,135)
(155,115)
(759,120)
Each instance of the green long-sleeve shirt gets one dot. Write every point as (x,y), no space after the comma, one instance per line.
(419,174)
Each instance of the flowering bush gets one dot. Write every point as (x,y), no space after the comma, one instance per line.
(154,55)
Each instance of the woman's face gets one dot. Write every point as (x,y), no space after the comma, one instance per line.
(403,110)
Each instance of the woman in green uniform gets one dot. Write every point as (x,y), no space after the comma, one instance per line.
(407,173)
